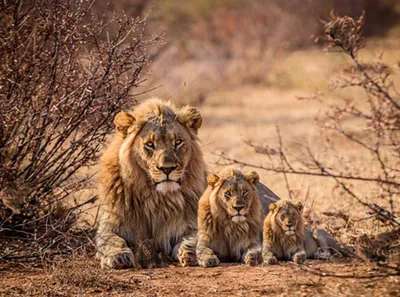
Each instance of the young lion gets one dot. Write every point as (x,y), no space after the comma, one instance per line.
(229,222)
(285,237)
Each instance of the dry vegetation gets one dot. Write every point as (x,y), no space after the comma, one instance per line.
(63,79)
(65,75)
(376,138)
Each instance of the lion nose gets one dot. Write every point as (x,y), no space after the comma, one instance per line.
(167,170)
(289,225)
(238,208)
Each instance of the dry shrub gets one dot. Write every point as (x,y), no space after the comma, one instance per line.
(63,77)
(369,125)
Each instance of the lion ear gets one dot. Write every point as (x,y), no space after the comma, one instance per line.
(212,179)
(252,177)
(299,206)
(123,121)
(190,117)
(272,207)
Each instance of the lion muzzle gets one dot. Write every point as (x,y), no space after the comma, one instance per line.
(168,181)
(240,216)
(290,229)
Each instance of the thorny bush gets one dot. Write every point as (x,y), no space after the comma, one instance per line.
(63,77)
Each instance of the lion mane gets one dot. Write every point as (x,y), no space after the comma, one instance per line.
(229,222)
(150,179)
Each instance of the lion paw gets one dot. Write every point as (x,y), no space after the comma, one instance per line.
(252,257)
(323,254)
(209,262)
(270,260)
(123,258)
(299,258)
(187,257)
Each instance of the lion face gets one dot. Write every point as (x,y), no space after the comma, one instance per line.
(287,216)
(159,141)
(162,152)
(235,193)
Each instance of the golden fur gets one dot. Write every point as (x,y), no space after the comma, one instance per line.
(284,233)
(285,237)
(229,222)
(151,177)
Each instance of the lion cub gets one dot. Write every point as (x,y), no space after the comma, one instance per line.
(229,222)
(285,237)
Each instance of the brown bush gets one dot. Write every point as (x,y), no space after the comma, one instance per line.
(63,77)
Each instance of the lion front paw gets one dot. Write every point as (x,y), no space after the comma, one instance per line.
(209,262)
(270,260)
(187,256)
(119,259)
(299,257)
(252,257)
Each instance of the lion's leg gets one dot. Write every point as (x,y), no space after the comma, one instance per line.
(267,254)
(205,255)
(112,249)
(299,256)
(326,243)
(310,244)
(189,237)
(187,252)
(253,255)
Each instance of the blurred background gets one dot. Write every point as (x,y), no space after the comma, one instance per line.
(246,63)
(213,45)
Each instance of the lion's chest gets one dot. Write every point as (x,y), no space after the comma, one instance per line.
(285,249)
(161,219)
(229,245)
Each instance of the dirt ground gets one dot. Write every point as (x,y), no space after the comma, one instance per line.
(313,279)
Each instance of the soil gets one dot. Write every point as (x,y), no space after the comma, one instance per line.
(316,278)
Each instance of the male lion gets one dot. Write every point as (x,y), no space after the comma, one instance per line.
(229,222)
(285,237)
(151,177)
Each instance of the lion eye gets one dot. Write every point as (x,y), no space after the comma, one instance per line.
(150,144)
(228,194)
(283,217)
(245,193)
(178,142)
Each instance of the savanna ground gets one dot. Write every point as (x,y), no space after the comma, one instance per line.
(237,111)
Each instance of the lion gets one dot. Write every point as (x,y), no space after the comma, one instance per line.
(229,222)
(151,177)
(285,237)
